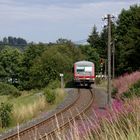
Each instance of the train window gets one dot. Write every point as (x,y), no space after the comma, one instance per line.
(88,69)
(80,69)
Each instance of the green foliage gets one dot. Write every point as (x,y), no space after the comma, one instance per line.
(49,95)
(133,91)
(128,40)
(91,55)
(98,41)
(114,91)
(6,89)
(10,62)
(98,80)
(54,60)
(54,84)
(5,114)
(70,84)
(32,52)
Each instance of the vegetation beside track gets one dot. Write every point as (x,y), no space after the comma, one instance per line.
(30,105)
(122,122)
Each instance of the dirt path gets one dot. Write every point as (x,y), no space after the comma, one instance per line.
(100,97)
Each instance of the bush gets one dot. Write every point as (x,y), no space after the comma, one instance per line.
(97,80)
(125,82)
(114,92)
(70,84)
(54,84)
(5,114)
(49,95)
(6,89)
(134,90)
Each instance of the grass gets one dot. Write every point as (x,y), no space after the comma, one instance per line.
(30,105)
(121,123)
(103,85)
(27,111)
(124,83)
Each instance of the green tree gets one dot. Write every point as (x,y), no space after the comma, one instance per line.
(10,62)
(32,52)
(91,55)
(128,40)
(94,38)
(5,114)
(99,42)
(55,60)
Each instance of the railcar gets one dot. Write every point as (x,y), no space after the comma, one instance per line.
(84,73)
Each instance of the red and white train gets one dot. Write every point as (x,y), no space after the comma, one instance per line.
(84,73)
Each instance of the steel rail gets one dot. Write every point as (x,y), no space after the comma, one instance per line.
(66,124)
(34,127)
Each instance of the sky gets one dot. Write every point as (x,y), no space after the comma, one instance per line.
(48,20)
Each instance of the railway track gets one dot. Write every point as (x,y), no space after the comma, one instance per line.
(58,121)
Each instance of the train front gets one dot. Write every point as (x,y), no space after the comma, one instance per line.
(84,73)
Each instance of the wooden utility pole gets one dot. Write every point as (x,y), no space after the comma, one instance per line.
(109,59)
(105,69)
(113,60)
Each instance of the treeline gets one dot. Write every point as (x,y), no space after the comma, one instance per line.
(38,65)
(13,41)
(125,36)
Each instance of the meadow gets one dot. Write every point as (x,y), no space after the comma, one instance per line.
(30,105)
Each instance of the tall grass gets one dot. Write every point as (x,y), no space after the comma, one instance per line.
(121,123)
(123,83)
(30,105)
(26,112)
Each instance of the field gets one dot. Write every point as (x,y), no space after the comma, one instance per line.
(30,105)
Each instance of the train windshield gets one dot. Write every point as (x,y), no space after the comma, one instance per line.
(84,69)
(80,69)
(88,69)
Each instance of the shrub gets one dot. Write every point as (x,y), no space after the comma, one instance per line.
(5,114)
(98,80)
(123,83)
(114,92)
(54,84)
(49,95)
(70,84)
(134,90)
(6,89)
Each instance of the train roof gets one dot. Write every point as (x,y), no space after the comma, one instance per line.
(84,63)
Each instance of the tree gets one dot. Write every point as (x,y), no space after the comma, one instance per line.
(63,41)
(54,60)
(128,40)
(91,55)
(99,42)
(32,52)
(93,39)
(10,60)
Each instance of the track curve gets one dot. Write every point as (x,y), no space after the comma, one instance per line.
(58,120)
